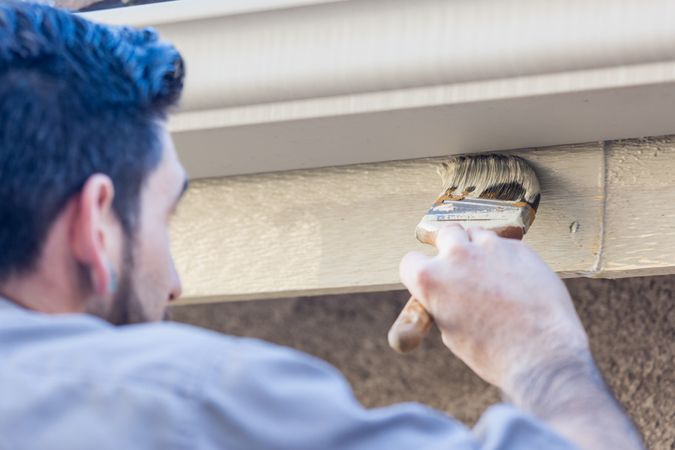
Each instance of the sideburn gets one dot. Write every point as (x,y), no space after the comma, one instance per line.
(126,306)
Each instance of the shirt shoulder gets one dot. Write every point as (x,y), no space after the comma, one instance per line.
(180,357)
(78,381)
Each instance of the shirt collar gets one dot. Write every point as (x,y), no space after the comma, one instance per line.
(8,304)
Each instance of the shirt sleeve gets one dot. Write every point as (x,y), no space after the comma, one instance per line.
(269,397)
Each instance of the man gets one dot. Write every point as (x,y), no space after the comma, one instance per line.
(89,179)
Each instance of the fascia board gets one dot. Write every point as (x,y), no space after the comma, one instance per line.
(298,84)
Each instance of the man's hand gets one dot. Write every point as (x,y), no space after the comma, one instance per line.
(510,318)
(497,304)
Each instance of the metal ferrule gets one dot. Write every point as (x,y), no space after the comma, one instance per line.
(480,210)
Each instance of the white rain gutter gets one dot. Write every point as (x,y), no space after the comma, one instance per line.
(287,84)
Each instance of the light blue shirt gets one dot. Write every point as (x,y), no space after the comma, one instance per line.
(75,382)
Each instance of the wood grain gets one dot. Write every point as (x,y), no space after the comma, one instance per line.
(345,229)
(640,208)
(607,211)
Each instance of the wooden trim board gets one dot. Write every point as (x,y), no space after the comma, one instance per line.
(607,211)
(639,235)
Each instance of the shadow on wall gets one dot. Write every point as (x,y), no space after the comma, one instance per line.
(631,323)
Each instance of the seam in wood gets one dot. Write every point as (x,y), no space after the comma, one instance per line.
(597,268)
(599,264)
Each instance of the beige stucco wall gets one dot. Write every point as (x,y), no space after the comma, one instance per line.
(631,323)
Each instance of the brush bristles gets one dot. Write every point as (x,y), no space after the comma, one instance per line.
(498,177)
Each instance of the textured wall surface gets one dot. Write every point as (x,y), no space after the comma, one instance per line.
(631,323)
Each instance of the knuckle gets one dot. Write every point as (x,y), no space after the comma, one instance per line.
(459,251)
(517,248)
(425,280)
(486,239)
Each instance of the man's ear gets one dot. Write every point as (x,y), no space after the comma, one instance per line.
(95,232)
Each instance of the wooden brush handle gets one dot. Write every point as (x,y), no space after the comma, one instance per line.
(414,322)
(410,328)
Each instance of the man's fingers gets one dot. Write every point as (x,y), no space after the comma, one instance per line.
(412,270)
(450,238)
(415,267)
(482,237)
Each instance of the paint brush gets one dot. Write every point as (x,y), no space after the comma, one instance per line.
(495,192)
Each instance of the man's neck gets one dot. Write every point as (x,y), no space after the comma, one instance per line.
(39,293)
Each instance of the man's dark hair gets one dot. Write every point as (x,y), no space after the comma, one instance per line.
(76,98)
